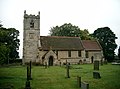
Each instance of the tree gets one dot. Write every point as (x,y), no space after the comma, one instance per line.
(85,35)
(9,44)
(107,40)
(70,30)
(119,53)
(65,30)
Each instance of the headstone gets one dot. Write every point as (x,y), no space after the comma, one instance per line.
(45,65)
(96,65)
(79,81)
(28,73)
(30,69)
(68,67)
(96,75)
(105,62)
(101,62)
(27,85)
(84,85)
(60,63)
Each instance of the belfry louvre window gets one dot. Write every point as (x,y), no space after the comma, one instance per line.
(69,53)
(32,24)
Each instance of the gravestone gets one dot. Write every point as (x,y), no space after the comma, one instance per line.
(27,85)
(96,75)
(68,67)
(84,85)
(101,62)
(96,65)
(79,81)
(30,69)
(28,73)
(105,62)
(45,65)
(60,64)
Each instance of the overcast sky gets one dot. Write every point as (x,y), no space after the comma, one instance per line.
(87,14)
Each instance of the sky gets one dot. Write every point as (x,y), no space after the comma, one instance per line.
(86,14)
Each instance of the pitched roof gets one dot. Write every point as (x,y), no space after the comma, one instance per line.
(60,43)
(91,45)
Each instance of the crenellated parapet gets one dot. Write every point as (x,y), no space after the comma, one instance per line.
(31,16)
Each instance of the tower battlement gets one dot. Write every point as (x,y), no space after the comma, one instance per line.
(31,16)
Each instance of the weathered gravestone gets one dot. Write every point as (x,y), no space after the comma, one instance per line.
(68,67)
(84,85)
(96,75)
(79,81)
(96,65)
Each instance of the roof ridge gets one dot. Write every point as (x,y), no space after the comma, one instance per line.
(60,36)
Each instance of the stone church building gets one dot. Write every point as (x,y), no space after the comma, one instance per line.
(55,50)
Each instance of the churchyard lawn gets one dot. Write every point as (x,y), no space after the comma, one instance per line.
(54,77)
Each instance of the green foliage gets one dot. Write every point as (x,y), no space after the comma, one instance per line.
(65,30)
(107,40)
(70,30)
(85,35)
(9,44)
(4,51)
(55,77)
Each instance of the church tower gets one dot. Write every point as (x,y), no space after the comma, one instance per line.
(31,37)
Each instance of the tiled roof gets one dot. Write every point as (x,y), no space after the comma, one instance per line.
(60,43)
(91,45)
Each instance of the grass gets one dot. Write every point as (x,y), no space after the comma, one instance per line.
(54,77)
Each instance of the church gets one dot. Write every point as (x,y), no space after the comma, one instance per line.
(55,50)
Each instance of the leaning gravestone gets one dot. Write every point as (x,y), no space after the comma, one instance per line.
(96,65)
(96,75)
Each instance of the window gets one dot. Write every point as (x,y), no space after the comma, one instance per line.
(31,35)
(32,24)
(79,53)
(87,55)
(69,53)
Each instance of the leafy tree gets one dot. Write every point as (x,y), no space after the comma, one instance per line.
(9,44)
(70,30)
(65,30)
(107,40)
(85,35)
